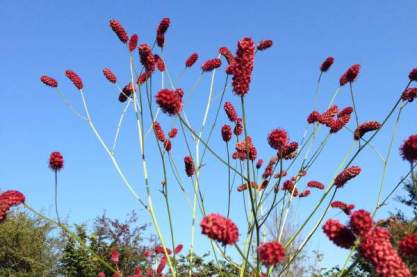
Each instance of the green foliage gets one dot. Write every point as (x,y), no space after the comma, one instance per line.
(27,247)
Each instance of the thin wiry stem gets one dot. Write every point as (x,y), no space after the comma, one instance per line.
(56,196)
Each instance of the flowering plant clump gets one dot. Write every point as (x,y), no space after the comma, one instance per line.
(180,145)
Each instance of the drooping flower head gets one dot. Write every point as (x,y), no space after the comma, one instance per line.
(219,228)
(288,151)
(189,166)
(264,44)
(346,175)
(56,161)
(226,133)
(210,65)
(126,92)
(350,75)
(133,42)
(315,184)
(326,64)
(191,60)
(110,76)
(49,81)
(271,253)
(170,101)
(339,234)
(313,117)
(409,149)
(119,30)
(413,74)
(304,193)
(74,78)
(8,199)
(243,66)
(227,54)
(409,94)
(366,127)
(346,208)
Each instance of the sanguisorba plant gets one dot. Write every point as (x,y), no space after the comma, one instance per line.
(263,192)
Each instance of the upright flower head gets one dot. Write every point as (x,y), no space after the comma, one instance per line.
(189,166)
(8,199)
(245,148)
(173,133)
(346,175)
(409,94)
(147,59)
(75,79)
(115,256)
(226,133)
(170,101)
(243,66)
(230,111)
(110,76)
(350,75)
(264,44)
(159,133)
(191,60)
(271,253)
(49,81)
(409,149)
(56,161)
(219,228)
(361,222)
(278,138)
(238,130)
(119,30)
(413,74)
(408,246)
(159,62)
(326,64)
(133,42)
(210,65)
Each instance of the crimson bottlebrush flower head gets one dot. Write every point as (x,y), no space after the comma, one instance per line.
(337,124)
(346,175)
(263,185)
(350,75)
(226,133)
(178,248)
(159,63)
(163,25)
(161,265)
(407,246)
(244,187)
(377,249)
(159,133)
(75,79)
(409,94)
(305,193)
(413,74)
(173,133)
(159,249)
(288,151)
(143,77)
(230,111)
(245,148)
(210,65)
(346,111)
(326,64)
(271,253)
(126,92)
(270,167)
(56,161)
(315,184)
(8,199)
(290,187)
(189,166)
(110,76)
(49,81)
(409,149)
(191,60)
(327,117)
(361,222)
(220,229)
(339,234)
(278,138)
(259,163)
(133,42)
(115,256)
(119,30)
(147,59)
(243,66)
(167,145)
(238,130)
(170,101)
(264,44)
(346,208)
(225,52)
(366,127)
(313,117)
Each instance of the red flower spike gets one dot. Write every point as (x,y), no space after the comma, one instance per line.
(313,117)
(189,166)
(230,111)
(170,101)
(413,74)
(225,52)
(115,256)
(278,138)
(147,59)
(159,133)
(133,42)
(126,92)
(191,60)
(226,133)
(339,234)
(315,184)
(210,65)
(110,76)
(243,66)
(338,124)
(409,149)
(366,127)
(167,145)
(264,44)
(173,133)
(280,174)
(49,81)
(144,77)
(178,248)
(361,222)
(219,228)
(238,130)
(56,161)
(290,187)
(243,148)
(326,64)
(346,175)
(347,209)
(8,199)
(305,193)
(408,246)
(259,163)
(162,264)
(271,253)
(346,111)
(326,118)
(119,30)
(288,151)
(161,250)
(75,79)
(269,168)
(376,248)
(159,63)
(409,94)
(350,75)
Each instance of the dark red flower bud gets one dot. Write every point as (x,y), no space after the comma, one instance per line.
(191,60)
(56,161)
(350,75)
(49,81)
(75,79)
(119,30)
(210,65)
(326,64)
(110,76)
(264,44)
(133,42)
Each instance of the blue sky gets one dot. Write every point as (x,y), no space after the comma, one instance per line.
(47,37)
